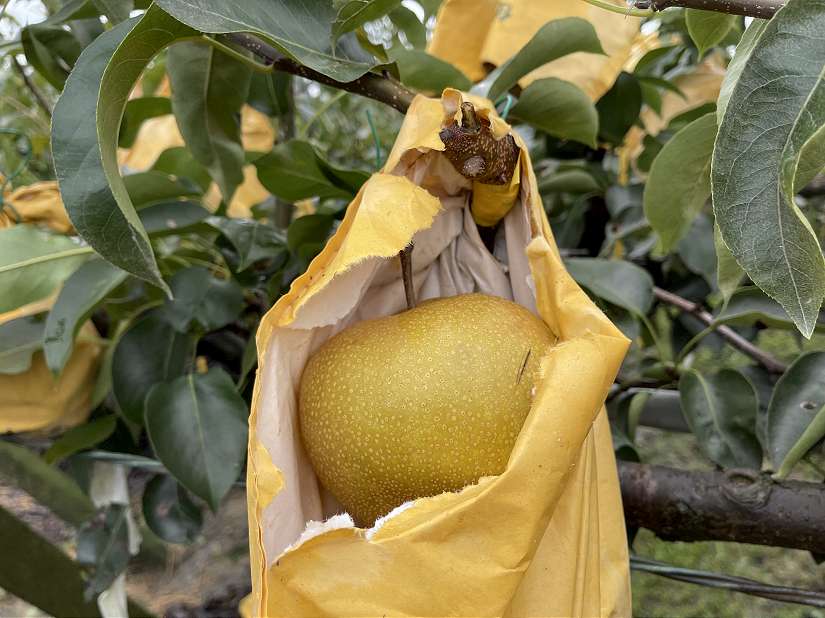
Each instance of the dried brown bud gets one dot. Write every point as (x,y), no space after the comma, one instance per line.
(475,153)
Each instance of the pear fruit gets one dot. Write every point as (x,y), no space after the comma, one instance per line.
(422,402)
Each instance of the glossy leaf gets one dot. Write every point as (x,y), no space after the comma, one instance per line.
(570,181)
(80,438)
(299,28)
(138,110)
(697,249)
(354,13)
(200,297)
(87,169)
(619,108)
(33,263)
(253,241)
(169,512)
(553,40)
(208,90)
(78,297)
(19,340)
(750,305)
(103,544)
(618,282)
(421,71)
(737,64)
(172,217)
(116,10)
(679,182)
(776,106)
(708,28)
(796,415)
(559,108)
(294,171)
(307,235)
(271,93)
(179,162)
(51,50)
(151,351)
(721,411)
(23,468)
(407,22)
(728,272)
(197,425)
(145,188)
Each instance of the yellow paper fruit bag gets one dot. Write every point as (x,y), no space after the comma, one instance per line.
(544,538)
(473,33)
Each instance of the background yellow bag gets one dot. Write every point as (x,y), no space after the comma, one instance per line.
(544,538)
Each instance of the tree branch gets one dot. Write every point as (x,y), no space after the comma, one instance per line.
(382,88)
(38,96)
(726,332)
(742,506)
(763,9)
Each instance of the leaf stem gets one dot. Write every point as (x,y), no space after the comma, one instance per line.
(405,255)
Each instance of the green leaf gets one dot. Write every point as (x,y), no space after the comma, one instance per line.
(169,512)
(200,297)
(116,10)
(179,162)
(553,40)
(78,297)
(421,71)
(51,50)
(138,110)
(750,305)
(145,188)
(679,183)
(300,29)
(172,217)
(306,235)
(708,28)
(19,340)
(271,93)
(248,362)
(60,593)
(22,468)
(150,352)
(619,108)
(616,281)
(33,263)
(103,544)
(777,105)
(728,272)
(354,13)
(796,414)
(743,52)
(721,411)
(570,181)
(697,249)
(80,438)
(84,144)
(560,109)
(197,425)
(407,22)
(208,90)
(294,171)
(252,240)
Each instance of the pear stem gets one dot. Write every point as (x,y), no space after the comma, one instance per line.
(405,255)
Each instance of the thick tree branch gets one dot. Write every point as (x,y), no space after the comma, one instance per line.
(763,9)
(742,506)
(382,88)
(726,332)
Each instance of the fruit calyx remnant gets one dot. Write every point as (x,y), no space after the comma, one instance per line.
(475,153)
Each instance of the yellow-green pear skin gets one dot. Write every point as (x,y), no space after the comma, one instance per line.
(422,402)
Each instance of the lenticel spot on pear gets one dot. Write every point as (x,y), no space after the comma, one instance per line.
(422,402)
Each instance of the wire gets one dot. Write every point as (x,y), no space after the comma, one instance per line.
(744,585)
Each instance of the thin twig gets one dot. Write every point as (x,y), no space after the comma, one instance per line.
(405,255)
(38,96)
(726,332)
(371,85)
